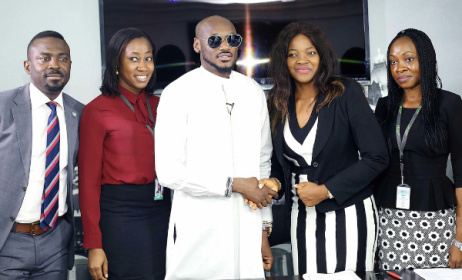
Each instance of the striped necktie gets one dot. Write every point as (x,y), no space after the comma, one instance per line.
(49,209)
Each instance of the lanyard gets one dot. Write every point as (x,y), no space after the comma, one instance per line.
(151,129)
(402,143)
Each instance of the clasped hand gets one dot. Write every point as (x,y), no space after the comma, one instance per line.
(271,186)
(310,193)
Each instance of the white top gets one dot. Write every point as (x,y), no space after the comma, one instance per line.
(305,150)
(31,205)
(198,146)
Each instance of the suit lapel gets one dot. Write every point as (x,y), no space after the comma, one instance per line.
(22,115)
(325,121)
(72,122)
(71,125)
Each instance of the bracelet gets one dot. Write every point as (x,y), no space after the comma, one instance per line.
(229,187)
(457,244)
(268,227)
(329,195)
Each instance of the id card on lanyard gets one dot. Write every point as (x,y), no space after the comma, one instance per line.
(159,192)
(403,191)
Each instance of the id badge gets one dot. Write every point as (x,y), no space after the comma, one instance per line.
(403,196)
(159,190)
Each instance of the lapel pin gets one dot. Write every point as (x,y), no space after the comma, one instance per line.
(74,114)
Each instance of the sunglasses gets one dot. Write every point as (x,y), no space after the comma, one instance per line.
(214,41)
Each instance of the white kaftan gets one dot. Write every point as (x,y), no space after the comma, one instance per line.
(198,145)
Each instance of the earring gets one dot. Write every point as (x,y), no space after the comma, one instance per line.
(117,72)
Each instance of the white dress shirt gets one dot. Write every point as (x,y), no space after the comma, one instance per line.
(31,205)
(198,146)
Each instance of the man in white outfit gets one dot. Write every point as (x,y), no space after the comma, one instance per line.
(213,144)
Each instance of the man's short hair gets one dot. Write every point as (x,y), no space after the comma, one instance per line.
(44,34)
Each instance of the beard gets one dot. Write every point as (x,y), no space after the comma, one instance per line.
(221,70)
(54,88)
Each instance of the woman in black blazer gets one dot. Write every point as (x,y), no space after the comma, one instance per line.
(419,229)
(327,149)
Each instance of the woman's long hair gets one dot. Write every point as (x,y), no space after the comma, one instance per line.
(328,86)
(430,84)
(114,50)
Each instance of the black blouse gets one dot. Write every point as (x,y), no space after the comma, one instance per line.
(425,172)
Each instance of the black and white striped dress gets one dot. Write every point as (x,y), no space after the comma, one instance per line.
(325,242)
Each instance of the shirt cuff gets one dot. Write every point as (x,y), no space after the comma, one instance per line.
(229,187)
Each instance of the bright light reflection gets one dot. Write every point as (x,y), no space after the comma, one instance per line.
(249,61)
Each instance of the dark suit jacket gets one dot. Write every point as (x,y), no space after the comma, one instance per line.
(15,155)
(345,127)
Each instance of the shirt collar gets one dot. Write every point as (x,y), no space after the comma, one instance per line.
(215,78)
(131,97)
(38,98)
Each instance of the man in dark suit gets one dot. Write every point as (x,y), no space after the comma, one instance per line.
(38,152)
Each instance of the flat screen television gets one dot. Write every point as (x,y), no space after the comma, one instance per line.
(171,24)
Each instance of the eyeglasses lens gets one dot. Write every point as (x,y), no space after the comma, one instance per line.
(234,40)
(214,41)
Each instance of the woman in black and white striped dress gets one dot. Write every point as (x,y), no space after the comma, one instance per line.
(320,125)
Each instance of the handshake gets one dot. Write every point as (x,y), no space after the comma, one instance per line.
(257,194)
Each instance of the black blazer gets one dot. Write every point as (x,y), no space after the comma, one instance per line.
(345,127)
